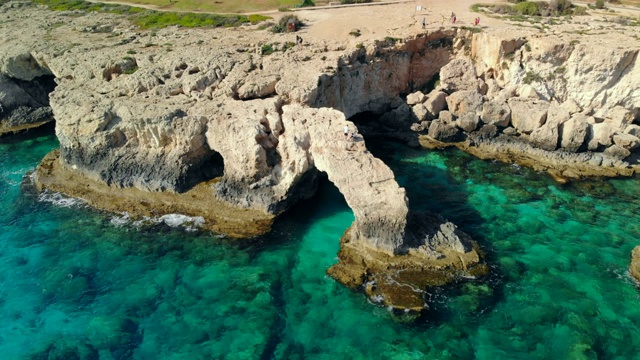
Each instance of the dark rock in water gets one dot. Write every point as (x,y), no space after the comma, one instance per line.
(437,253)
(444,132)
(634,269)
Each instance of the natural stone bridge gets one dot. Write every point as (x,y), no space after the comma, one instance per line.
(215,129)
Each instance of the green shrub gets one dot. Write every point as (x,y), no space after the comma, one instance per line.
(130,70)
(531,77)
(281,26)
(254,18)
(155,19)
(359,46)
(307,3)
(579,11)
(267,49)
(527,8)
(600,4)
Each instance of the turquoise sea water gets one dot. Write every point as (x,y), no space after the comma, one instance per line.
(75,285)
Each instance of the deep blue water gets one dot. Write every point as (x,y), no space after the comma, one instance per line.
(74,284)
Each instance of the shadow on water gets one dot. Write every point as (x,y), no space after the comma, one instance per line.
(436,189)
(31,134)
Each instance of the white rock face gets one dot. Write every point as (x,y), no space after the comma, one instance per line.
(595,75)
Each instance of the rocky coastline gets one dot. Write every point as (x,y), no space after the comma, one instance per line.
(208,123)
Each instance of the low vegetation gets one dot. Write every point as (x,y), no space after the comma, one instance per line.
(147,19)
(281,26)
(355,1)
(532,8)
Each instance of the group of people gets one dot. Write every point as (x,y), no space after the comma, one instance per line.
(453,20)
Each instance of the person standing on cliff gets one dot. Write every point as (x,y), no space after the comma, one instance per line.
(346,132)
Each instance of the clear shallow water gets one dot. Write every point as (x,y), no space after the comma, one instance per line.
(74,285)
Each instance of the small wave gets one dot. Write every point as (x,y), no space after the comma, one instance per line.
(189,223)
(122,220)
(59,199)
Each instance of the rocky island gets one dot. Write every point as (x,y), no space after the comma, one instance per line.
(237,125)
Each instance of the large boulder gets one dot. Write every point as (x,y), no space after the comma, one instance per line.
(571,106)
(573,134)
(528,114)
(545,137)
(435,102)
(415,98)
(464,102)
(627,141)
(528,91)
(496,113)
(599,136)
(617,152)
(444,132)
(468,122)
(619,117)
(558,113)
(458,74)
(488,131)
(420,112)
(634,269)
(446,117)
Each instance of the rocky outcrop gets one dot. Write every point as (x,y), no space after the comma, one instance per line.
(634,268)
(249,132)
(237,137)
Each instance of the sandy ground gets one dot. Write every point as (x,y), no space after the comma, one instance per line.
(400,20)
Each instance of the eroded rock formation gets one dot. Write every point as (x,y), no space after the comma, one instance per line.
(207,121)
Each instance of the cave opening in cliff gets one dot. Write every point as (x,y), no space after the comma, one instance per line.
(27,106)
(210,166)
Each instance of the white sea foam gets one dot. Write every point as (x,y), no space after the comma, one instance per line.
(58,199)
(190,223)
(121,220)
